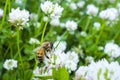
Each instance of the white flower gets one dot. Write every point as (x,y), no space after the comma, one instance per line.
(118,7)
(72,56)
(97,25)
(80,4)
(71,25)
(71,66)
(9,64)
(81,72)
(71,61)
(1,13)
(36,71)
(83,33)
(112,50)
(47,7)
(45,18)
(92,10)
(18,17)
(60,58)
(33,16)
(101,70)
(19,2)
(34,41)
(73,6)
(109,14)
(98,69)
(56,12)
(55,22)
(57,59)
(36,24)
(89,59)
(60,45)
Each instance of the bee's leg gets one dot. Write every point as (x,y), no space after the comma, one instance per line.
(47,56)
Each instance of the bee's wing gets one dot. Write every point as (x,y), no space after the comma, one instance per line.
(36,49)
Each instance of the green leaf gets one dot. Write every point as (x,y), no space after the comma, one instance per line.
(60,74)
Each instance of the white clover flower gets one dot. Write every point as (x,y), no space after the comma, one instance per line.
(1,13)
(19,2)
(83,33)
(36,24)
(57,59)
(112,50)
(71,61)
(60,58)
(9,64)
(98,69)
(97,25)
(33,17)
(72,56)
(73,6)
(45,18)
(118,7)
(92,10)
(60,45)
(81,73)
(18,17)
(57,12)
(89,59)
(55,22)
(54,10)
(47,7)
(70,65)
(36,71)
(81,4)
(109,14)
(101,70)
(71,25)
(34,41)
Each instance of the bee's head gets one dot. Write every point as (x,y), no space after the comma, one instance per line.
(48,46)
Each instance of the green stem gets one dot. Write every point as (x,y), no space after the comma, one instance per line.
(11,53)
(116,35)
(20,58)
(6,52)
(9,6)
(35,63)
(101,31)
(42,39)
(25,1)
(87,24)
(44,29)
(5,10)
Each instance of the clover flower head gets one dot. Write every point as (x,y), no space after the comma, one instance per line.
(18,17)
(9,64)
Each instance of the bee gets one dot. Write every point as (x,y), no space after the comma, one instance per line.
(43,49)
